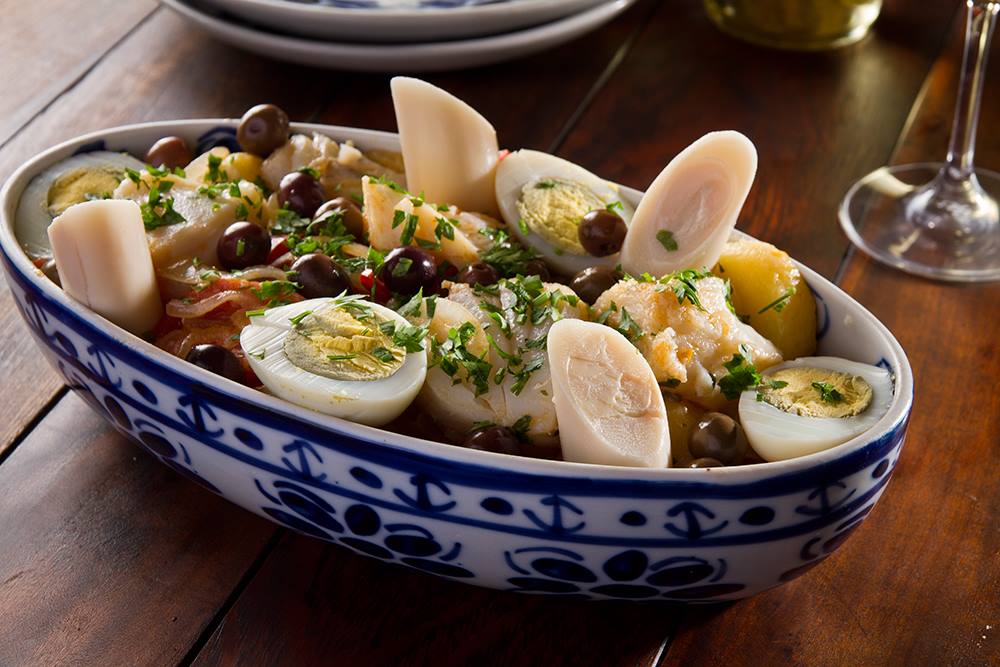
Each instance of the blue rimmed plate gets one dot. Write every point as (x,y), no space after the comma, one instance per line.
(399,21)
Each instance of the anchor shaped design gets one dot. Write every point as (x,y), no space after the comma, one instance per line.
(423,499)
(101,372)
(35,315)
(199,411)
(825,506)
(556,524)
(694,529)
(303,450)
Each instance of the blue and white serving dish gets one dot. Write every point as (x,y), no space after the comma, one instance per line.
(488,519)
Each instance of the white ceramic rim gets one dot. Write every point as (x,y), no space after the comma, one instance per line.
(479,12)
(518,39)
(897,413)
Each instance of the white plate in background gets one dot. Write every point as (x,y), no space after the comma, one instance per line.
(394,23)
(435,56)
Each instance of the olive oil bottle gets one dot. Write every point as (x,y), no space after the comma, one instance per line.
(807,25)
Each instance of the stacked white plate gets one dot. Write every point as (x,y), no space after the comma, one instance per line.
(397,35)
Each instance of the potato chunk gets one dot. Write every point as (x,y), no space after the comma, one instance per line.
(765,279)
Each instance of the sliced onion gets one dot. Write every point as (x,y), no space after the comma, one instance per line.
(183,310)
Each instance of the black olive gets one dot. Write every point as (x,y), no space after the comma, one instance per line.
(705,463)
(243,244)
(720,437)
(602,232)
(350,214)
(319,276)
(262,129)
(301,192)
(594,281)
(537,267)
(169,152)
(218,360)
(479,273)
(494,439)
(408,269)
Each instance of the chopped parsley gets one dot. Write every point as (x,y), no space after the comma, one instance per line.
(546,184)
(298,318)
(521,426)
(453,355)
(505,255)
(828,393)
(255,313)
(214,173)
(779,303)
(409,337)
(340,357)
(309,171)
(402,267)
(615,206)
(741,374)
(667,240)
(241,247)
(270,290)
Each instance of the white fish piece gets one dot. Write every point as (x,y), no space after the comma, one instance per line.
(608,402)
(690,209)
(205,219)
(686,345)
(456,406)
(543,198)
(382,204)
(778,435)
(450,151)
(104,262)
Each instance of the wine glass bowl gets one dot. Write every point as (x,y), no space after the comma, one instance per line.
(938,220)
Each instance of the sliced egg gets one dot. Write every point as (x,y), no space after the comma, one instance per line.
(335,356)
(690,209)
(543,198)
(778,434)
(450,151)
(74,180)
(608,404)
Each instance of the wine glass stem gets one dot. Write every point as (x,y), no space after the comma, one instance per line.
(979,23)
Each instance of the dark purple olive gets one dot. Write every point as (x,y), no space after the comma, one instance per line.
(350,214)
(705,463)
(594,281)
(319,276)
(243,244)
(169,152)
(218,360)
(498,439)
(408,269)
(302,193)
(602,232)
(538,267)
(263,128)
(719,437)
(479,273)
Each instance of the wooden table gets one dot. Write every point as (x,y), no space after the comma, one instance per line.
(108,558)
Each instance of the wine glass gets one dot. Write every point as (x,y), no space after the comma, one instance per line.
(938,220)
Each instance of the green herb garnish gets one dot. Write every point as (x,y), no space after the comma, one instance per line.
(667,240)
(828,393)
(779,303)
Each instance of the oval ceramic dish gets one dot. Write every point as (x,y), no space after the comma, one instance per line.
(488,519)
(377,21)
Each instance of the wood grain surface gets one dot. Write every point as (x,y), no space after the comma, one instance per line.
(107,557)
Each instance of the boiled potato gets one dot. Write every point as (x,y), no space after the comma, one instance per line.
(241,166)
(765,279)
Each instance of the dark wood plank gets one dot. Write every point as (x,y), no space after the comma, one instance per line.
(918,583)
(318,604)
(107,556)
(55,51)
(818,119)
(183,74)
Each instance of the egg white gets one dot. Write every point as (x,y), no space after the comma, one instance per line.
(372,402)
(525,167)
(778,435)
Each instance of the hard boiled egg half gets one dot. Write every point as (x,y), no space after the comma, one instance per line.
(543,198)
(813,403)
(342,356)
